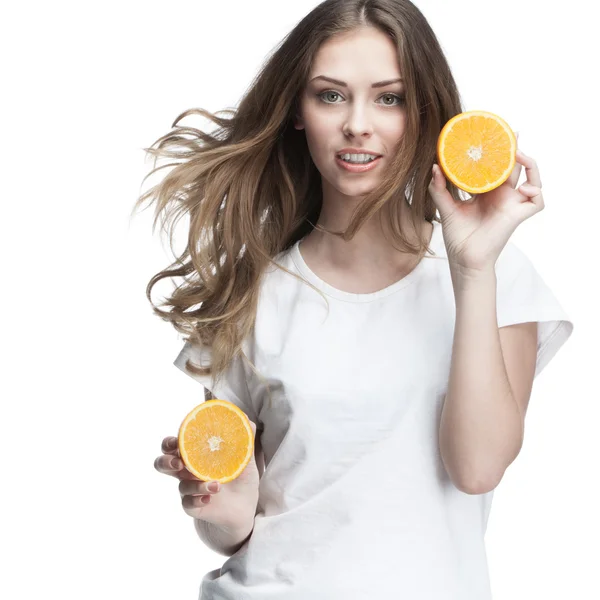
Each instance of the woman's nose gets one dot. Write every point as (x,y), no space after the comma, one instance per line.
(358,123)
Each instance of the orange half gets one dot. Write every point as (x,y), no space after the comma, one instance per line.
(216,441)
(477,151)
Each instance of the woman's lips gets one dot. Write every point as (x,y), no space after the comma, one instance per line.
(357,167)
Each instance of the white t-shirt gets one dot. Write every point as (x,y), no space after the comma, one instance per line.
(355,501)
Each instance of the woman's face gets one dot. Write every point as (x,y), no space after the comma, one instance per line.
(351,113)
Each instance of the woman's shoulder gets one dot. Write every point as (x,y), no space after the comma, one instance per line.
(279,282)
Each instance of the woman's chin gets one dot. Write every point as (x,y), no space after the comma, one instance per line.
(356,188)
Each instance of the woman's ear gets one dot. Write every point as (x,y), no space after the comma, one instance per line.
(298,123)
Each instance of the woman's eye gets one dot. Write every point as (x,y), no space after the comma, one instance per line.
(400,99)
(330,93)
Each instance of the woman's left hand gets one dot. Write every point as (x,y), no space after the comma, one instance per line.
(476,230)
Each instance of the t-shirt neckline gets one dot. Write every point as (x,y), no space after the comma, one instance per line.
(334,292)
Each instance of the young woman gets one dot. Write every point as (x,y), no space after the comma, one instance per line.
(384,354)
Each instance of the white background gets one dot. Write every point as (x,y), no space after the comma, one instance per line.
(89,385)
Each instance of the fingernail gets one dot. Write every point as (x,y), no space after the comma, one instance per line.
(176,464)
(213,487)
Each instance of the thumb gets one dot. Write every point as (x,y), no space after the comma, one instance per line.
(253,426)
(439,194)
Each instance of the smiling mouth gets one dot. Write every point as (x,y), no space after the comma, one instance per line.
(372,157)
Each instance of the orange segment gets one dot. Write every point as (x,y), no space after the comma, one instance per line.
(477,151)
(216,441)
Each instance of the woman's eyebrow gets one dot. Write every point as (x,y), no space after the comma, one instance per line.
(344,84)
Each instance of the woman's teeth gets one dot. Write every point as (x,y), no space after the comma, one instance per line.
(357,158)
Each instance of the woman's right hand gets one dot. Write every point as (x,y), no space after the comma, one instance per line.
(232,506)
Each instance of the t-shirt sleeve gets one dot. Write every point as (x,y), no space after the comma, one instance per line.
(232,386)
(523,296)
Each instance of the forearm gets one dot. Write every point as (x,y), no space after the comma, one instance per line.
(223,540)
(481,426)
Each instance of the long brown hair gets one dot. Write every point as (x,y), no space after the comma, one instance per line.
(251,190)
